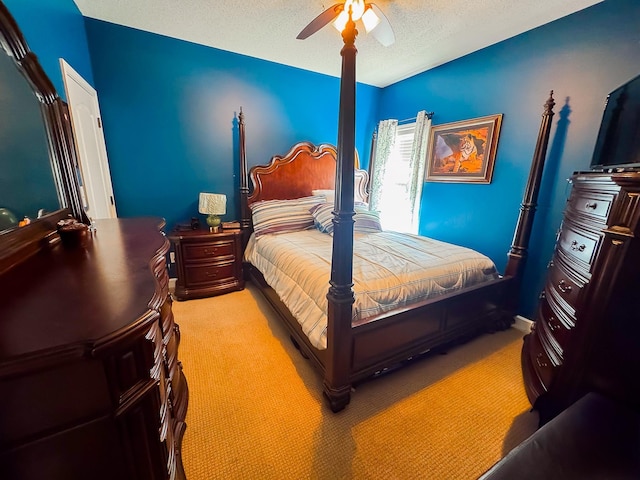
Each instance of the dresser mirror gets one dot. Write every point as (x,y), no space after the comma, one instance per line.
(38,162)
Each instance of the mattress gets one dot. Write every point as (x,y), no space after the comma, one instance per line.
(390,270)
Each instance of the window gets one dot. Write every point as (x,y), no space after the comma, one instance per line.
(397,172)
(395,205)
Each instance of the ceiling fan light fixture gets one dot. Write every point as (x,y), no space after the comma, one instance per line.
(370,19)
(341,21)
(357,8)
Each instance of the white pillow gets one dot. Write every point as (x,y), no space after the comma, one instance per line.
(329,195)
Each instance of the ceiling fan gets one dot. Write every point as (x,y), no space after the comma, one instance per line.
(374,21)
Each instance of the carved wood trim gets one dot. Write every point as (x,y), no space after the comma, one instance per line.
(60,142)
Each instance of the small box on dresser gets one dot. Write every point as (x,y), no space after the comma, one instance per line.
(207,263)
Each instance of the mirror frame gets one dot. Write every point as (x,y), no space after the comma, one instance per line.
(21,242)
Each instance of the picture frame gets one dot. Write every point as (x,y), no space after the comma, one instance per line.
(464,151)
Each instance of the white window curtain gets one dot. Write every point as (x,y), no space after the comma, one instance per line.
(384,144)
(397,173)
(417,165)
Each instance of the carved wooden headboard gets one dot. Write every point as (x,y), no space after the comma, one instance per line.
(306,167)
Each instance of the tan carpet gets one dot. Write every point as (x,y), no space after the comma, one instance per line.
(256,410)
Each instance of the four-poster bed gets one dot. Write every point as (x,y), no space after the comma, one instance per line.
(357,348)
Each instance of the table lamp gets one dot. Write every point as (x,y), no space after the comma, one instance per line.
(213,205)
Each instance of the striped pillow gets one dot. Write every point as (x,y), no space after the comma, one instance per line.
(322,215)
(278,216)
(366,221)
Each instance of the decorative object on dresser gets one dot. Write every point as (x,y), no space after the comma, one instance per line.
(213,205)
(207,263)
(587,327)
(89,372)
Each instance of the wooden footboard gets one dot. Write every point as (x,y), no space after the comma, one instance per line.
(385,341)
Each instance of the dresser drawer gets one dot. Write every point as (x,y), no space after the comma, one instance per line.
(540,360)
(592,204)
(563,288)
(210,274)
(578,244)
(197,252)
(555,325)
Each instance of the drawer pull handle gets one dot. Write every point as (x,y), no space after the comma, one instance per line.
(563,287)
(579,248)
(212,274)
(539,361)
(592,206)
(553,327)
(210,252)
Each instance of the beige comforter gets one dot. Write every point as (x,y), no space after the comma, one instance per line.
(390,270)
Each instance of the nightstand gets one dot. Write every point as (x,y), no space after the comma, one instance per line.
(207,264)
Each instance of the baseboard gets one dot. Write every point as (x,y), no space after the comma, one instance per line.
(522,323)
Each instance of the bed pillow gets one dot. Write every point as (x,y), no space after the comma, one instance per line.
(322,215)
(279,216)
(329,195)
(365,221)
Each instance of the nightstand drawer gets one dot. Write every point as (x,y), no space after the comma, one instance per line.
(196,252)
(207,263)
(210,274)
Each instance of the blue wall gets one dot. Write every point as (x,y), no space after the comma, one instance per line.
(581,57)
(169,109)
(54,29)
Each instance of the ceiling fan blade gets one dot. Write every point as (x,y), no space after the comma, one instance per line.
(321,20)
(383,32)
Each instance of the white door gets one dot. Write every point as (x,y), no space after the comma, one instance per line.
(90,145)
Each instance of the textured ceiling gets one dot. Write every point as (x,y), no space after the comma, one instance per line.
(428,32)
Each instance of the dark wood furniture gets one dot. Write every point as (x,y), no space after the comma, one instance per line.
(17,243)
(356,351)
(597,437)
(207,263)
(90,381)
(587,328)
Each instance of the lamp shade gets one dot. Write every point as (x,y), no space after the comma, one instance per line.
(212,203)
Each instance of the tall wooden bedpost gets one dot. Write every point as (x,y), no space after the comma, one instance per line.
(518,253)
(337,385)
(245,214)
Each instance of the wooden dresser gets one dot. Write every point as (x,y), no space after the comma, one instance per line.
(90,381)
(207,263)
(586,336)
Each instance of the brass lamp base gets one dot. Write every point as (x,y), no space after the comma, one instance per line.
(214,223)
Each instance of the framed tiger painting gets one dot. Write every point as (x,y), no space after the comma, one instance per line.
(463,151)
